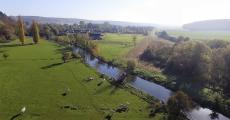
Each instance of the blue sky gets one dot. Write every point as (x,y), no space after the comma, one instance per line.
(166,12)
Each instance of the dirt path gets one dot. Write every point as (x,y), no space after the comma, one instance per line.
(138,50)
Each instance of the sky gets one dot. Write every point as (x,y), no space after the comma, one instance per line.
(164,12)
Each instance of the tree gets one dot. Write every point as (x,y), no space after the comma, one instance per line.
(21,30)
(82,24)
(178,105)
(158,53)
(7,28)
(35,31)
(7,32)
(191,59)
(131,66)
(47,32)
(5,56)
(226,83)
(134,40)
(66,56)
(93,48)
(218,68)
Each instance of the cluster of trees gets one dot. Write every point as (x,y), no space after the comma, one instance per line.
(205,62)
(158,52)
(166,36)
(10,29)
(49,31)
(83,41)
(176,108)
(107,27)
(21,31)
(130,66)
(7,28)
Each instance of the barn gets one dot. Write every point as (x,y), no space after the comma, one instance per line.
(95,36)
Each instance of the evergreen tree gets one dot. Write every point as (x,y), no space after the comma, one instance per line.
(21,31)
(35,31)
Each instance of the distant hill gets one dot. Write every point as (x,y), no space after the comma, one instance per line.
(29,20)
(209,25)
(5,20)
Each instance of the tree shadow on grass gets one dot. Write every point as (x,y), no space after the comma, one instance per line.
(113,91)
(15,116)
(101,90)
(86,80)
(52,65)
(2,51)
(63,50)
(15,45)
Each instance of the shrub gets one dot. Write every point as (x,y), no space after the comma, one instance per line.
(77,56)
(66,56)
(5,55)
(131,66)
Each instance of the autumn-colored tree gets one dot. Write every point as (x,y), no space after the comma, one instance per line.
(35,31)
(93,48)
(131,66)
(66,56)
(21,31)
(178,105)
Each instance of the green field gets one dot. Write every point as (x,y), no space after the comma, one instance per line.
(115,46)
(201,35)
(34,76)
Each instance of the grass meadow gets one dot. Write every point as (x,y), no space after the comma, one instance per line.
(35,77)
(201,35)
(116,46)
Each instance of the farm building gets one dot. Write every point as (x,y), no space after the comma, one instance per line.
(95,36)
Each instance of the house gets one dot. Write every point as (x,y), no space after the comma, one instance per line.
(95,36)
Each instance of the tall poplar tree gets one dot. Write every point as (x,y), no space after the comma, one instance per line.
(35,31)
(21,31)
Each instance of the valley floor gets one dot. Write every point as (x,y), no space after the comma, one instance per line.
(35,77)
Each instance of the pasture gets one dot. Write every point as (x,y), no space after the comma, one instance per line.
(116,46)
(201,35)
(34,76)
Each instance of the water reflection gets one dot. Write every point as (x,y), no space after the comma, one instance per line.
(152,89)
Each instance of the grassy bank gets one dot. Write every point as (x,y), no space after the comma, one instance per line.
(34,76)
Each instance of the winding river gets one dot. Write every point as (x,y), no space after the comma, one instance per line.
(151,88)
